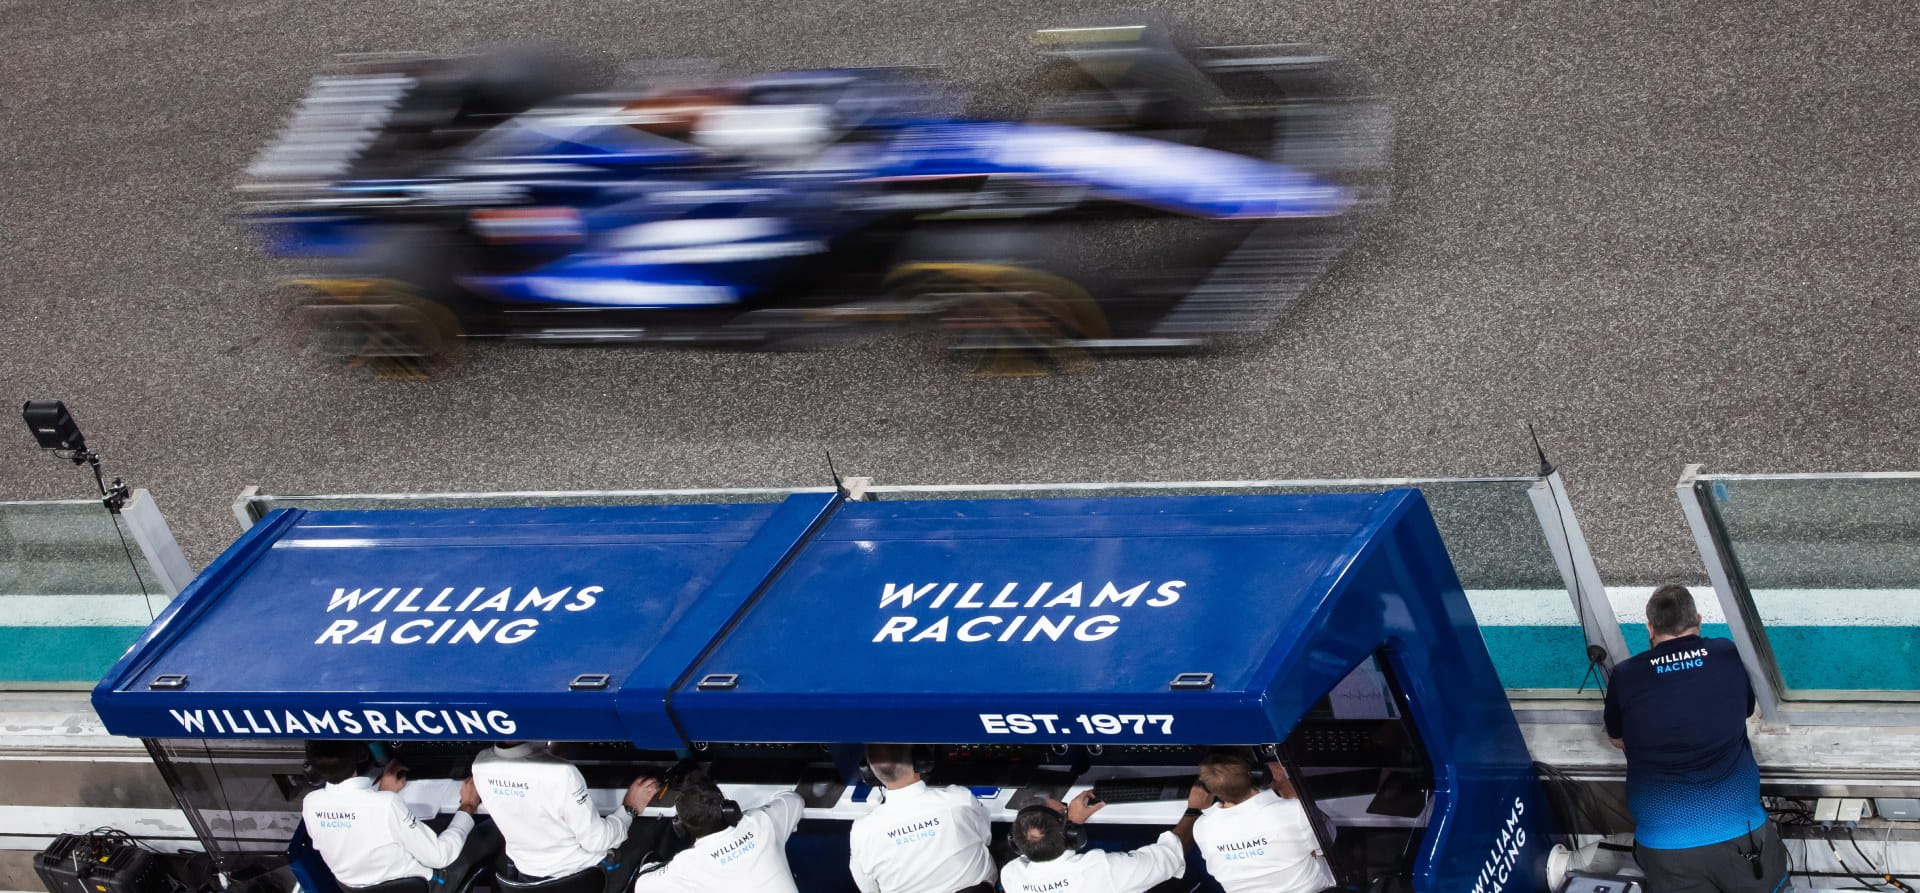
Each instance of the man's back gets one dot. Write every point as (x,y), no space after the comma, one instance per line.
(367,836)
(750,857)
(544,811)
(1681,709)
(1098,871)
(1264,844)
(922,839)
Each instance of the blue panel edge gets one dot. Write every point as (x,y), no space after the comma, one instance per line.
(731,595)
(207,588)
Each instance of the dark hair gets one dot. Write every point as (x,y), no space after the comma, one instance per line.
(1227,776)
(1042,834)
(701,808)
(890,762)
(337,761)
(1670,611)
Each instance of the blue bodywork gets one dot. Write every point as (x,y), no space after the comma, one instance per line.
(636,220)
(821,620)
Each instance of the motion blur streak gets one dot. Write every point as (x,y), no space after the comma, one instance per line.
(1159,198)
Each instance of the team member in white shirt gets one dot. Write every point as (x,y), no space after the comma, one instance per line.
(920,839)
(732,851)
(366,834)
(546,814)
(1257,842)
(1040,834)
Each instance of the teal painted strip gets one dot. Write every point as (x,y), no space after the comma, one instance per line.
(62,653)
(1841,658)
(1831,658)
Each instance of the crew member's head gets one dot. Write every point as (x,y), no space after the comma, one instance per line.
(892,764)
(1671,614)
(337,761)
(702,808)
(1227,776)
(1041,832)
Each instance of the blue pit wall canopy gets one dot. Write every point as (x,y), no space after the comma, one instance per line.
(1204,620)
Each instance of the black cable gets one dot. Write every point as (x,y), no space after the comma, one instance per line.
(1862,853)
(145,597)
(1596,669)
(1843,864)
(1887,875)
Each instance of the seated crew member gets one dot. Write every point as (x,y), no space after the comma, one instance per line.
(1257,841)
(364,831)
(920,839)
(1040,834)
(545,813)
(731,851)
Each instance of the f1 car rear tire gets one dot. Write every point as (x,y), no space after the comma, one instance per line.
(380,325)
(1005,321)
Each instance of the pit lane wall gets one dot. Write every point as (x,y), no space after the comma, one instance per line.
(1848,734)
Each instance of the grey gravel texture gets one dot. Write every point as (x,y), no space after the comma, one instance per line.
(1664,232)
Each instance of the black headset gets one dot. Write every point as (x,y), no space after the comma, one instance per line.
(1075,835)
(1256,759)
(729,813)
(362,761)
(925,758)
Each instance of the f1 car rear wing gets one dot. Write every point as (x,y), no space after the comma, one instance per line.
(332,129)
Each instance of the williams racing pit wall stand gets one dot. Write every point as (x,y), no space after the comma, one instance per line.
(1041,646)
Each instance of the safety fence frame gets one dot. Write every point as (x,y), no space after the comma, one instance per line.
(145,528)
(1777,710)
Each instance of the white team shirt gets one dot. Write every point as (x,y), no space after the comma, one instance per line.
(921,840)
(750,857)
(544,812)
(367,836)
(1264,844)
(1099,871)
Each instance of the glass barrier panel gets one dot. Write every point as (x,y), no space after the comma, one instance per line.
(71,597)
(1833,567)
(1492,532)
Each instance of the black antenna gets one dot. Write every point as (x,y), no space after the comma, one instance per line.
(1546,467)
(837,483)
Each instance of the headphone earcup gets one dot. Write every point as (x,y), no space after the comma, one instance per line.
(730,812)
(866,775)
(925,758)
(1076,836)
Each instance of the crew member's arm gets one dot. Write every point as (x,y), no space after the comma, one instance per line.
(594,832)
(785,810)
(1198,798)
(430,849)
(1282,782)
(973,818)
(860,861)
(1140,870)
(660,879)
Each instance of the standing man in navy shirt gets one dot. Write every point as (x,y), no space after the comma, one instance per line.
(1680,712)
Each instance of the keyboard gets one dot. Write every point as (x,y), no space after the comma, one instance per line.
(1143,790)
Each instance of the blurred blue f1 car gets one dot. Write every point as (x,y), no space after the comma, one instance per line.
(1154,199)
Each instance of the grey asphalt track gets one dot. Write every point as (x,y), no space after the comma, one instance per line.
(1664,232)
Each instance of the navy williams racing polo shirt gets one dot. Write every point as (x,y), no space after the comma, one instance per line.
(1682,708)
